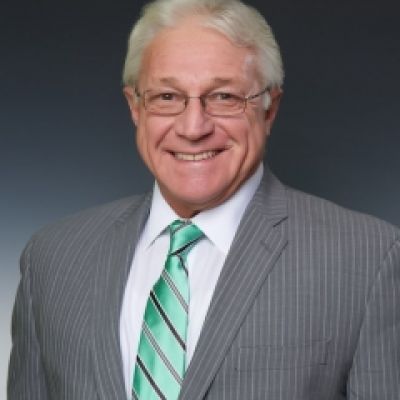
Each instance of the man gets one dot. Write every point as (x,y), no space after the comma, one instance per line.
(275,295)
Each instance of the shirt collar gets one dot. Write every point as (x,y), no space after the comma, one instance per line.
(219,224)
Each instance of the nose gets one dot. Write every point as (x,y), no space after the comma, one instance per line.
(194,123)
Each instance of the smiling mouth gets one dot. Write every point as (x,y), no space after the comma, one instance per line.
(196,157)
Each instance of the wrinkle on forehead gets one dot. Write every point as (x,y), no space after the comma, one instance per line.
(214,82)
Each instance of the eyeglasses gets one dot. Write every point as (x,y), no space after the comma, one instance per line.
(217,104)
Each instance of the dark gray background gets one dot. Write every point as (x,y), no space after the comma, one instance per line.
(67,141)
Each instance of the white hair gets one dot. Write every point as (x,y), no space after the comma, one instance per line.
(240,23)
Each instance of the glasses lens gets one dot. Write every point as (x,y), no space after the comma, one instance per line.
(224,104)
(164,103)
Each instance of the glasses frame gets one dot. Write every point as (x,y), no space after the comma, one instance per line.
(203,103)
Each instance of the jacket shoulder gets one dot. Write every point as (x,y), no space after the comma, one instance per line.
(84,226)
(319,215)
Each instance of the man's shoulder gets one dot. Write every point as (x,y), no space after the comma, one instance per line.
(326,217)
(86,225)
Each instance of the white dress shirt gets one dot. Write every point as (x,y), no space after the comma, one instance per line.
(205,262)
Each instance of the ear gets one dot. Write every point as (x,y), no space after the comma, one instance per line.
(275,99)
(133,103)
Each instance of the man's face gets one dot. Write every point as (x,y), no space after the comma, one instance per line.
(200,160)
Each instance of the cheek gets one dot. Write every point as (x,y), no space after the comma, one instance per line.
(256,146)
(141,143)
(150,135)
(242,133)
(252,141)
(258,132)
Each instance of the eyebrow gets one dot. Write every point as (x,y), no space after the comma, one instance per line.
(215,81)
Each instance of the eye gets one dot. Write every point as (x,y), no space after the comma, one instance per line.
(223,97)
(167,96)
(163,97)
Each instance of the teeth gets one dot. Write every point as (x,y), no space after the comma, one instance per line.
(195,157)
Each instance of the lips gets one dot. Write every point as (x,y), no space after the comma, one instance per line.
(205,155)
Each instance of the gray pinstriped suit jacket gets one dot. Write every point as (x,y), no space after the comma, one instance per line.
(306,308)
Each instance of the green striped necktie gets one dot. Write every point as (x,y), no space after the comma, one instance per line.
(160,362)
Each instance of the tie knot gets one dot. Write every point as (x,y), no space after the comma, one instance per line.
(184,235)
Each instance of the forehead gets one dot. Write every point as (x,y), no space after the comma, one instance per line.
(194,55)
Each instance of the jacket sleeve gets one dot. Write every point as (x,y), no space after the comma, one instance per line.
(375,374)
(26,378)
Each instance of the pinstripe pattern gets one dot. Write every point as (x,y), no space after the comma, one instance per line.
(65,322)
(307,306)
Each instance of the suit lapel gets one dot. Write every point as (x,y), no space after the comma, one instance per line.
(112,257)
(258,243)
